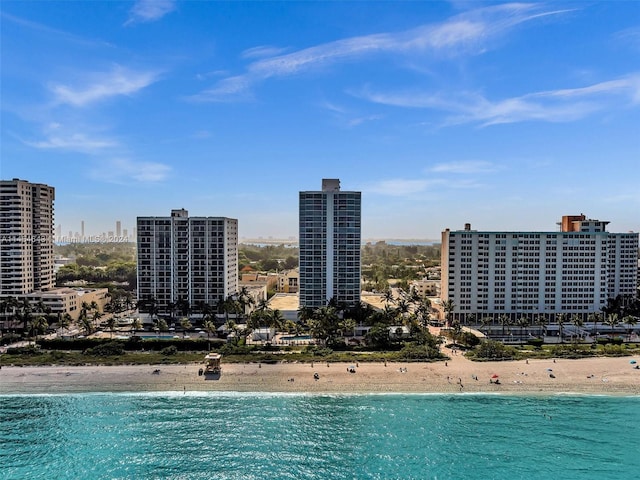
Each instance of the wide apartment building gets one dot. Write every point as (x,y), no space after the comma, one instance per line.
(573,271)
(329,238)
(182,258)
(26,237)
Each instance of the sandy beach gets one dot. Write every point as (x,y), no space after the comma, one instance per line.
(611,376)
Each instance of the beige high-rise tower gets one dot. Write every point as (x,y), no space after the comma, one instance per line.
(26,237)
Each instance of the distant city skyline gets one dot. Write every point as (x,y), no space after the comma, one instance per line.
(505,115)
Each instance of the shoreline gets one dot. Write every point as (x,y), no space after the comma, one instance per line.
(592,376)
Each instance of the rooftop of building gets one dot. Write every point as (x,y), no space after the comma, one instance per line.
(570,224)
(284,302)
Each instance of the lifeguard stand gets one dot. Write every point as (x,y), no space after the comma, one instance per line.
(212,363)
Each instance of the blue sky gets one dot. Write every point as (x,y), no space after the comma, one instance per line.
(504,115)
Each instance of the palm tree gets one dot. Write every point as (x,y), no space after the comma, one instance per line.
(470,319)
(231,326)
(324,324)
(423,310)
(183,306)
(36,325)
(150,305)
(456,330)
(275,320)
(348,325)
(504,321)
(523,323)
(229,305)
(208,314)
(111,325)
(594,318)
(360,312)
(389,314)
(542,322)
(86,324)
(8,307)
(210,328)
(403,307)
(304,314)
(484,322)
(162,325)
(245,299)
(612,320)
(96,318)
(65,322)
(136,324)
(387,296)
(171,308)
(25,313)
(186,325)
(561,318)
(448,306)
(577,322)
(631,322)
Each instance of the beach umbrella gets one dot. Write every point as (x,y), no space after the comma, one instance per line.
(632,362)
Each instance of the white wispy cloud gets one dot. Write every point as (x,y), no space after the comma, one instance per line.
(59,137)
(262,51)
(465,167)
(467,31)
(127,171)
(77,142)
(354,122)
(53,32)
(562,105)
(347,117)
(399,187)
(103,85)
(150,10)
(407,187)
(629,36)
(228,89)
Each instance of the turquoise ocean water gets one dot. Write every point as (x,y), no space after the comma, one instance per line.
(284,436)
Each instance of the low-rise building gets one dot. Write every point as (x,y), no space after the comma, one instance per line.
(425,287)
(288,281)
(270,280)
(58,302)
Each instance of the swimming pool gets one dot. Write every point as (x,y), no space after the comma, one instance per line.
(295,338)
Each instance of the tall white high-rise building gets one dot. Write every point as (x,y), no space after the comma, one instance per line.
(330,238)
(573,271)
(26,237)
(188,259)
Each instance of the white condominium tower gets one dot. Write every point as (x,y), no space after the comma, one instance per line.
(26,237)
(329,245)
(188,259)
(573,271)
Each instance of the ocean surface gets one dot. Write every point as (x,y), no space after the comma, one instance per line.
(296,436)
